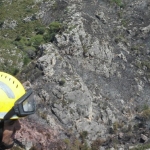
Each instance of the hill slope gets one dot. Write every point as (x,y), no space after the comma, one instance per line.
(92,76)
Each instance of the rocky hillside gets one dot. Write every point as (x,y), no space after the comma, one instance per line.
(89,67)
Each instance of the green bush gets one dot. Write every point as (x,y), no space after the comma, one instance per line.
(146,114)
(36,40)
(54,28)
(96,144)
(23,41)
(62,82)
(6,43)
(49,37)
(40,30)
(84,146)
(145,107)
(141,147)
(30,51)
(15,71)
(118,2)
(9,69)
(26,60)
(18,38)
(83,135)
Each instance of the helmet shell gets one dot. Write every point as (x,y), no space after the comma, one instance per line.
(10,91)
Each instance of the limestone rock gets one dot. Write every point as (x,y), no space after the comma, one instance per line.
(9,24)
(144,138)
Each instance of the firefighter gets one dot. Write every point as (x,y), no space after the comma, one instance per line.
(15,103)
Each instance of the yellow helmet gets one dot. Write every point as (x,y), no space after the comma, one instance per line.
(13,98)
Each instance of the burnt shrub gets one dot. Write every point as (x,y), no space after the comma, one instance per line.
(96,144)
